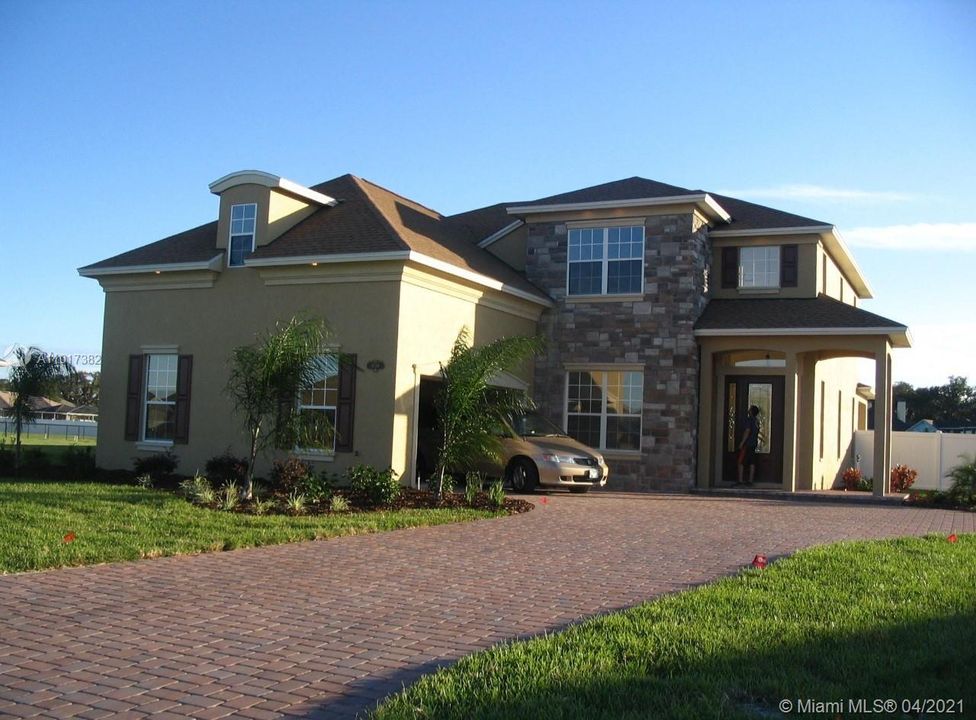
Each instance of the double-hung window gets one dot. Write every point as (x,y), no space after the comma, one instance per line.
(317,405)
(160,398)
(606,260)
(759,267)
(603,408)
(242,223)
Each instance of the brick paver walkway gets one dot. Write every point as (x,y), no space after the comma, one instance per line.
(325,629)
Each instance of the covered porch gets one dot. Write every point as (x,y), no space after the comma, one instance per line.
(799,362)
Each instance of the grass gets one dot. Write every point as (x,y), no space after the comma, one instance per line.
(53,448)
(887,619)
(122,522)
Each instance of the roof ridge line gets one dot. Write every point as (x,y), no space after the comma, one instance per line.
(358,181)
(394,193)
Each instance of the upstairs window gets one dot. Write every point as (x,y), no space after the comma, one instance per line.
(606,261)
(242,222)
(759,267)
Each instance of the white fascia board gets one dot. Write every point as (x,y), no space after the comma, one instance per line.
(268,180)
(831,239)
(750,232)
(703,201)
(477,278)
(900,332)
(214,264)
(326,259)
(501,233)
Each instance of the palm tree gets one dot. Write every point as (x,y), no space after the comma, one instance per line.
(35,374)
(265,380)
(468,406)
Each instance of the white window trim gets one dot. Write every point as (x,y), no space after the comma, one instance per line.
(603,370)
(762,288)
(231,235)
(605,260)
(149,443)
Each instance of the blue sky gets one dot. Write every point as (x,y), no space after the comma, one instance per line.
(116,116)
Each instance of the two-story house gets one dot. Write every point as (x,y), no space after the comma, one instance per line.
(667,311)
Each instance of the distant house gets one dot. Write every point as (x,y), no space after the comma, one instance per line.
(46,408)
(87,413)
(668,312)
(925,426)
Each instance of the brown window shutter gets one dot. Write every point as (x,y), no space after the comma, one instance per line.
(133,396)
(730,267)
(346,403)
(184,374)
(788,266)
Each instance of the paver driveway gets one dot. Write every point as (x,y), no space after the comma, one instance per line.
(325,629)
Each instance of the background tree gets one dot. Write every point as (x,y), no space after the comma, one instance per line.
(80,388)
(265,380)
(468,406)
(949,405)
(35,373)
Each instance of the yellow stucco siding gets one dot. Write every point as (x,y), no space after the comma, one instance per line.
(209,323)
(511,248)
(284,212)
(433,310)
(808,272)
(401,316)
(835,419)
(831,281)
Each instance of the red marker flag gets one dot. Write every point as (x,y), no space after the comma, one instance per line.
(952,538)
(760,561)
(70,537)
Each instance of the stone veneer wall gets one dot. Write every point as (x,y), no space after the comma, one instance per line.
(657,331)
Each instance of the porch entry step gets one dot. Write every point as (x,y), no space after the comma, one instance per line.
(833,496)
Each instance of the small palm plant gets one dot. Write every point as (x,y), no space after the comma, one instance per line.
(35,374)
(265,379)
(468,405)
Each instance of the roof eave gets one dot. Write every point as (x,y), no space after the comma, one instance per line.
(496,236)
(214,264)
(899,335)
(703,201)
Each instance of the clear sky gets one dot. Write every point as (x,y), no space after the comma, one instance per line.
(114,117)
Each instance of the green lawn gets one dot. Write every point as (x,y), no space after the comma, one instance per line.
(53,448)
(122,522)
(888,619)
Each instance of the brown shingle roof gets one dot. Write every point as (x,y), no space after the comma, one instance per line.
(196,245)
(750,216)
(630,188)
(793,313)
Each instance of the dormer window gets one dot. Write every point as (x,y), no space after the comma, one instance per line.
(759,267)
(242,222)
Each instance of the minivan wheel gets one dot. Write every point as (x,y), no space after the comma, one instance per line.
(524,476)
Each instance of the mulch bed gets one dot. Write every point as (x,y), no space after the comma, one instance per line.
(935,499)
(409,499)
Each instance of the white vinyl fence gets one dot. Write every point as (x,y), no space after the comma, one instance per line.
(932,454)
(63,429)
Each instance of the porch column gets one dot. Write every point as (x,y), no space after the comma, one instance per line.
(706,410)
(882,418)
(791,407)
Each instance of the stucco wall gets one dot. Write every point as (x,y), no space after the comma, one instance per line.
(360,302)
(834,392)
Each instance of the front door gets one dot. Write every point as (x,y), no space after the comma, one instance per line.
(765,392)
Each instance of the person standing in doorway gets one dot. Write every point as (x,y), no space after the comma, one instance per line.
(747,448)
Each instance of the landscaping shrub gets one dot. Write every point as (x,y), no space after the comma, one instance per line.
(79,462)
(317,486)
(289,475)
(198,489)
(902,478)
(963,476)
(6,459)
(157,465)
(229,496)
(144,481)
(380,488)
(472,486)
(865,484)
(225,469)
(34,462)
(296,502)
(338,504)
(496,494)
(852,477)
